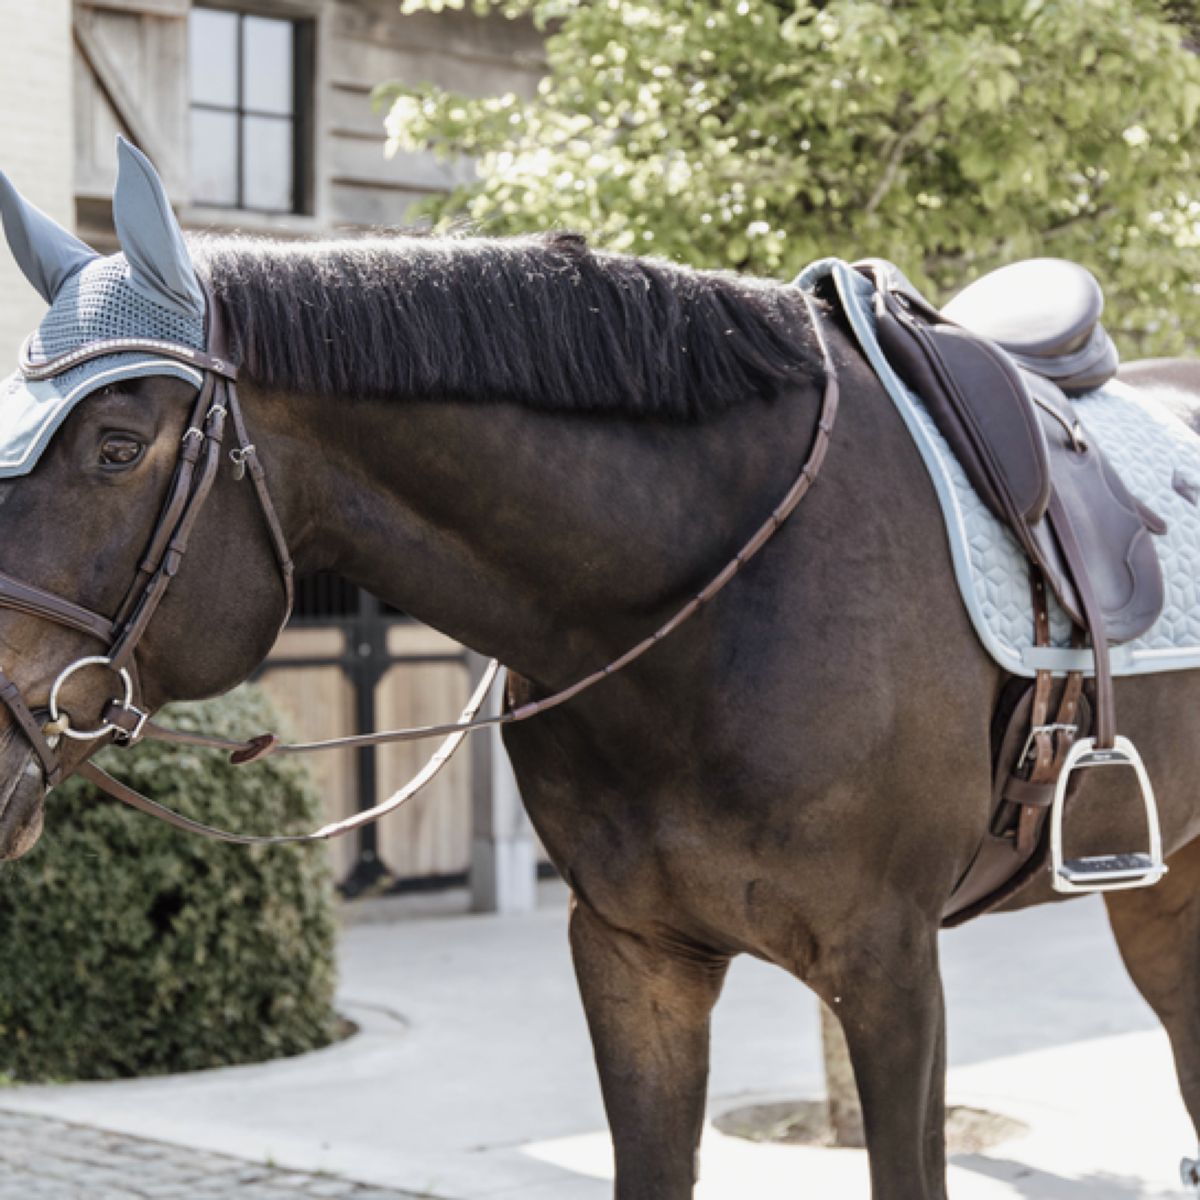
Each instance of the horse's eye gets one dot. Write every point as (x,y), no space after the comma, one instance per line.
(120,450)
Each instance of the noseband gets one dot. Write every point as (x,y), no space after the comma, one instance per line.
(195,472)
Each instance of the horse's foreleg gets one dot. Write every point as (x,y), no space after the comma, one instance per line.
(888,995)
(1158,932)
(648,1007)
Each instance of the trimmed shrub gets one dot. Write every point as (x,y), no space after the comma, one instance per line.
(130,948)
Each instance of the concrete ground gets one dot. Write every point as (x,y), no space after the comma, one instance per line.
(471,1077)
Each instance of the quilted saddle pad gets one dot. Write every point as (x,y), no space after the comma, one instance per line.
(1157,456)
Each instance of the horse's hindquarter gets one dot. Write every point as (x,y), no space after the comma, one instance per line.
(808,751)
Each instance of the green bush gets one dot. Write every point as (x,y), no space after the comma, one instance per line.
(129,948)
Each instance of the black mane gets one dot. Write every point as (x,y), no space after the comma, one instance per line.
(543,321)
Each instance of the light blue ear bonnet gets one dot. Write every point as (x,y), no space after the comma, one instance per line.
(148,292)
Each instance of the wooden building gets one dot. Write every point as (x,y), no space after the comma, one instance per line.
(260,116)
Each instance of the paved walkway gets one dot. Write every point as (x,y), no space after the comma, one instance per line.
(472,1079)
(44,1159)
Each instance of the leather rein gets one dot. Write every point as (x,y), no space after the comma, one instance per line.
(215,409)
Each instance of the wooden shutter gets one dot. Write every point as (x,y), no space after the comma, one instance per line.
(130,78)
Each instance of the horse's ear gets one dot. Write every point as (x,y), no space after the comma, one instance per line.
(160,266)
(47,254)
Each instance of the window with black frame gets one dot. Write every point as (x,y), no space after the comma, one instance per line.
(249,81)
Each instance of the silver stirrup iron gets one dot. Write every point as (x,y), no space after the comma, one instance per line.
(1105,872)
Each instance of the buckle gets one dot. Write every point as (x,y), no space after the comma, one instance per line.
(126,737)
(238,457)
(1056,727)
(1105,872)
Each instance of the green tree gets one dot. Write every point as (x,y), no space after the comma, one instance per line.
(758,135)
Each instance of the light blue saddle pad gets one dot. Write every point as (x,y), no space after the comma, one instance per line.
(1150,448)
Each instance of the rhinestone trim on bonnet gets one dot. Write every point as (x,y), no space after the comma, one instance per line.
(99,304)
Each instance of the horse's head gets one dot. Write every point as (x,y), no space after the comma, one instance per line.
(125,534)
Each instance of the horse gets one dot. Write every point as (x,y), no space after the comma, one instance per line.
(542,450)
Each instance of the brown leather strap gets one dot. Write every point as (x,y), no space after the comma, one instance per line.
(134,630)
(1105,714)
(1050,741)
(245,459)
(127,795)
(31,727)
(218,364)
(24,597)
(178,495)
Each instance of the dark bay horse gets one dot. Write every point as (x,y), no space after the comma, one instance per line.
(542,451)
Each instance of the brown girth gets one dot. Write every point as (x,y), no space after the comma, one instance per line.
(195,473)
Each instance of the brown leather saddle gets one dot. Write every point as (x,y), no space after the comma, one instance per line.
(995,369)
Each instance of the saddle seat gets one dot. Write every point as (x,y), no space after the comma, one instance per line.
(1045,312)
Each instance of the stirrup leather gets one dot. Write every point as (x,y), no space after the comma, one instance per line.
(1105,872)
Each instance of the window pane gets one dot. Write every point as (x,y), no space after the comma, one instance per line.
(214,157)
(267,169)
(213,57)
(267,58)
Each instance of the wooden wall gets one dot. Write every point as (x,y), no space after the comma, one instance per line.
(131,77)
(369,44)
(431,835)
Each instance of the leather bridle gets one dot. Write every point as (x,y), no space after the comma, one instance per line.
(215,409)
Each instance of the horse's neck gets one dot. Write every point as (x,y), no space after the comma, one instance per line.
(545,540)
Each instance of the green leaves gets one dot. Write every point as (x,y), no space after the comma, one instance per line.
(132,949)
(760,134)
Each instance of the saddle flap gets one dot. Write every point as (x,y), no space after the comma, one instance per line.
(980,403)
(1020,442)
(1111,527)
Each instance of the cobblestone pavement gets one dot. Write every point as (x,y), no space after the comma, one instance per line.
(43,1159)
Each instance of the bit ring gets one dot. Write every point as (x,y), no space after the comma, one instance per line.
(98,660)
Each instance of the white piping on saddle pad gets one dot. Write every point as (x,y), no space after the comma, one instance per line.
(1149,447)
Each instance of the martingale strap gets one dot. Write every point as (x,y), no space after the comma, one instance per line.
(199,461)
(127,795)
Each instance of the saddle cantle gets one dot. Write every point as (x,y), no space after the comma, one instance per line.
(1045,312)
(998,402)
